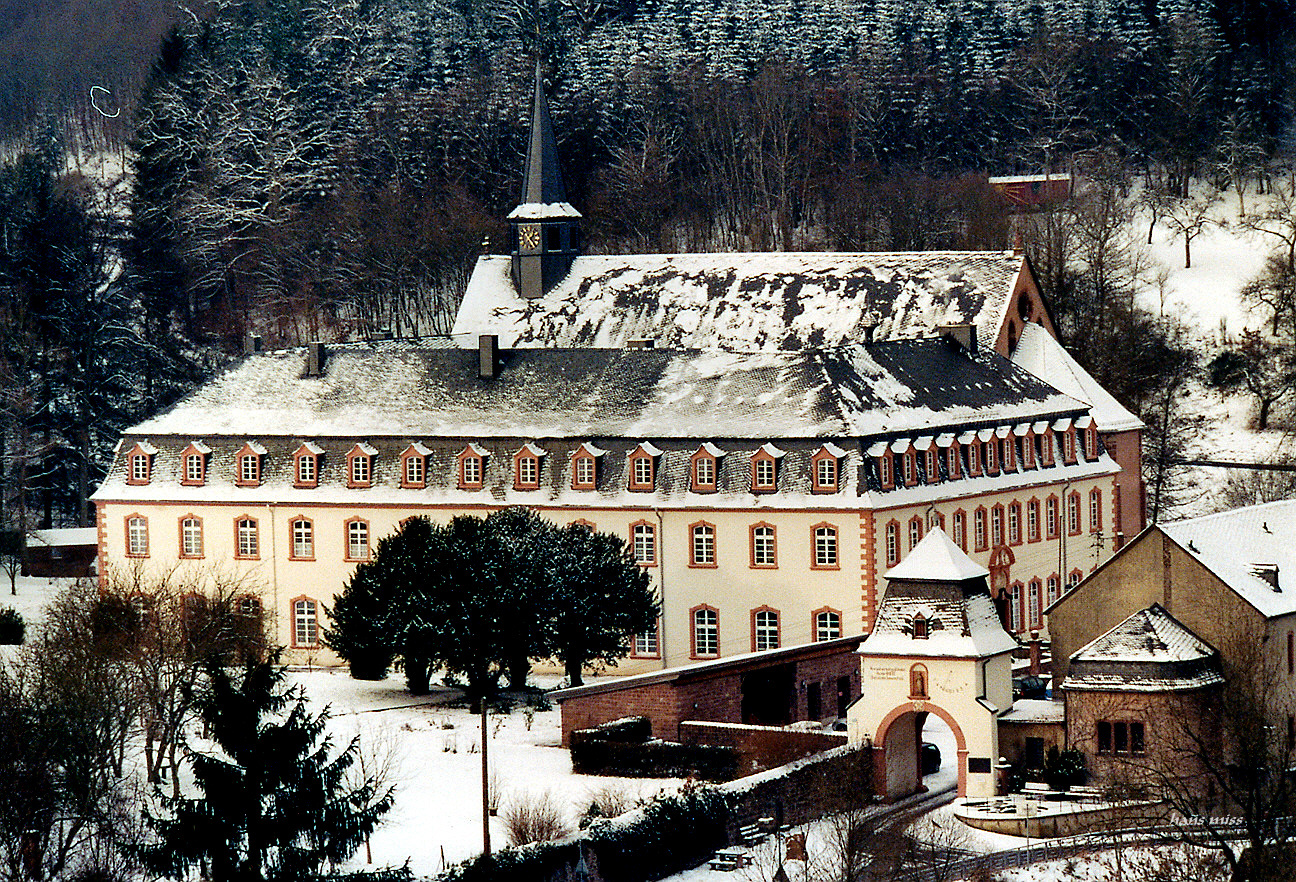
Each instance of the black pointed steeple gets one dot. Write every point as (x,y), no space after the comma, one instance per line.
(546,234)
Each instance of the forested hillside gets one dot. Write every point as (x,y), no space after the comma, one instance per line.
(308,169)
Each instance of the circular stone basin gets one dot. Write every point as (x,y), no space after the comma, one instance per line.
(1031,816)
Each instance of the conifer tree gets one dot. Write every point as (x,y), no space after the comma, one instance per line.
(275,803)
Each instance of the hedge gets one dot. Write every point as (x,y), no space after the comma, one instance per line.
(12,627)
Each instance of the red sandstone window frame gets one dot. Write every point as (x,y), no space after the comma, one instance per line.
(349,547)
(1069,446)
(526,469)
(953,462)
(304,476)
(1035,604)
(1091,442)
(131,551)
(702,460)
(754,544)
(649,530)
(892,547)
(1010,452)
(469,481)
(582,522)
(980,529)
(760,633)
(1095,509)
(919,682)
(579,460)
(186,552)
(713,626)
(1074,525)
(414,457)
(886,470)
(931,464)
(764,464)
(248,455)
(909,459)
(1033,519)
(974,460)
(915,531)
(139,466)
(634,479)
(1017,607)
(997,525)
(1014,523)
(298,620)
(958,527)
(1028,450)
(1047,448)
(699,531)
(239,551)
(820,626)
(1052,517)
(360,466)
(294,548)
(991,455)
(193,465)
(822,462)
(825,549)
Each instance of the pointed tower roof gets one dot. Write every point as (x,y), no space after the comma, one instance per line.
(543,194)
(937,558)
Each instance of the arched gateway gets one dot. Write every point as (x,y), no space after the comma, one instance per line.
(938,647)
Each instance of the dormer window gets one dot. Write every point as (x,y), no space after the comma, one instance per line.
(414,466)
(1010,453)
(1046,447)
(585,466)
(932,465)
(920,626)
(1028,450)
(306,465)
(704,468)
(825,467)
(194,457)
(953,468)
(139,463)
(526,467)
(643,467)
(1089,436)
(247,462)
(360,461)
(472,467)
(886,471)
(764,469)
(1069,446)
(991,458)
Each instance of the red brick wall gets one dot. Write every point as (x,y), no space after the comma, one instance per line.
(658,702)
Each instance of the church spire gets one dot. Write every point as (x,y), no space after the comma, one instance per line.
(546,235)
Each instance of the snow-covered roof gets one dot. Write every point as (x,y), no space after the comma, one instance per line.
(411,389)
(745,301)
(1038,352)
(63,537)
(1150,651)
(937,557)
(1245,548)
(543,211)
(949,591)
(1035,710)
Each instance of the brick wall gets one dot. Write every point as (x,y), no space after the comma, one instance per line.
(659,702)
(760,747)
(804,790)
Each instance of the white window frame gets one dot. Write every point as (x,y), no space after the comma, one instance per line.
(191,537)
(825,546)
(765,630)
(827,626)
(305,622)
(249,541)
(358,540)
(706,633)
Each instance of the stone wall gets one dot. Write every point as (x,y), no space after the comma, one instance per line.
(802,791)
(760,747)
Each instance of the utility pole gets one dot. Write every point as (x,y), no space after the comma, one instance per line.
(486,848)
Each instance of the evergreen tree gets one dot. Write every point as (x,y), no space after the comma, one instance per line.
(275,804)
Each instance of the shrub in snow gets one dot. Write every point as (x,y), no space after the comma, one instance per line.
(534,818)
(12,627)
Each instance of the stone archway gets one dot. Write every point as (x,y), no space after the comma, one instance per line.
(897,760)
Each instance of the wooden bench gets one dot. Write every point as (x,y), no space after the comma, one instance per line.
(750,834)
(729,859)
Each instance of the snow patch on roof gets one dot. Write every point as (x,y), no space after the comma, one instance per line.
(543,211)
(1150,651)
(1038,352)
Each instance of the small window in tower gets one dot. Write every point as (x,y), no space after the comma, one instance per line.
(553,238)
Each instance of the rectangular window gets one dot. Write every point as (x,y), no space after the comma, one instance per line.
(249,469)
(915,533)
(305,470)
(827,626)
(960,530)
(764,474)
(763,548)
(1073,514)
(644,542)
(358,540)
(137,537)
(303,539)
(826,473)
(1033,610)
(1052,594)
(1051,517)
(706,632)
(884,471)
(415,471)
(248,541)
(703,545)
(1104,736)
(194,468)
(1032,520)
(979,529)
(139,468)
(910,470)
(952,462)
(892,544)
(1136,738)
(1095,510)
(471,471)
(191,541)
(585,471)
(996,527)
(991,459)
(1014,614)
(528,471)
(1014,524)
(974,458)
(1120,738)
(825,546)
(643,471)
(645,642)
(305,623)
(704,473)
(360,469)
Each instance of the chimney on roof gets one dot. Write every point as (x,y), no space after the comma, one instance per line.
(1268,572)
(251,344)
(963,335)
(316,356)
(487,356)
(640,343)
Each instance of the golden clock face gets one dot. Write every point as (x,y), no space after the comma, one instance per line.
(529,237)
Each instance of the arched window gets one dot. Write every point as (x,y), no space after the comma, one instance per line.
(1095,510)
(920,626)
(764,550)
(305,622)
(302,531)
(918,682)
(137,543)
(960,529)
(247,542)
(357,532)
(472,467)
(915,531)
(706,632)
(893,543)
(827,625)
(1014,523)
(191,536)
(1051,517)
(979,529)
(1073,514)
(765,629)
(825,546)
(414,466)
(996,526)
(643,539)
(360,469)
(1033,520)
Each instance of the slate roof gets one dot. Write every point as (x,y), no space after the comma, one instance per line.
(1040,353)
(745,302)
(1151,651)
(1240,544)
(402,388)
(949,590)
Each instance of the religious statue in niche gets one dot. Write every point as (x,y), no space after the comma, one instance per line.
(918,681)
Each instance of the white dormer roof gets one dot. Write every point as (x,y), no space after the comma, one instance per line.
(420,449)
(366,448)
(923,443)
(477,449)
(590,450)
(312,448)
(833,450)
(649,448)
(770,449)
(900,445)
(146,447)
(258,449)
(200,447)
(712,449)
(877,448)
(532,449)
